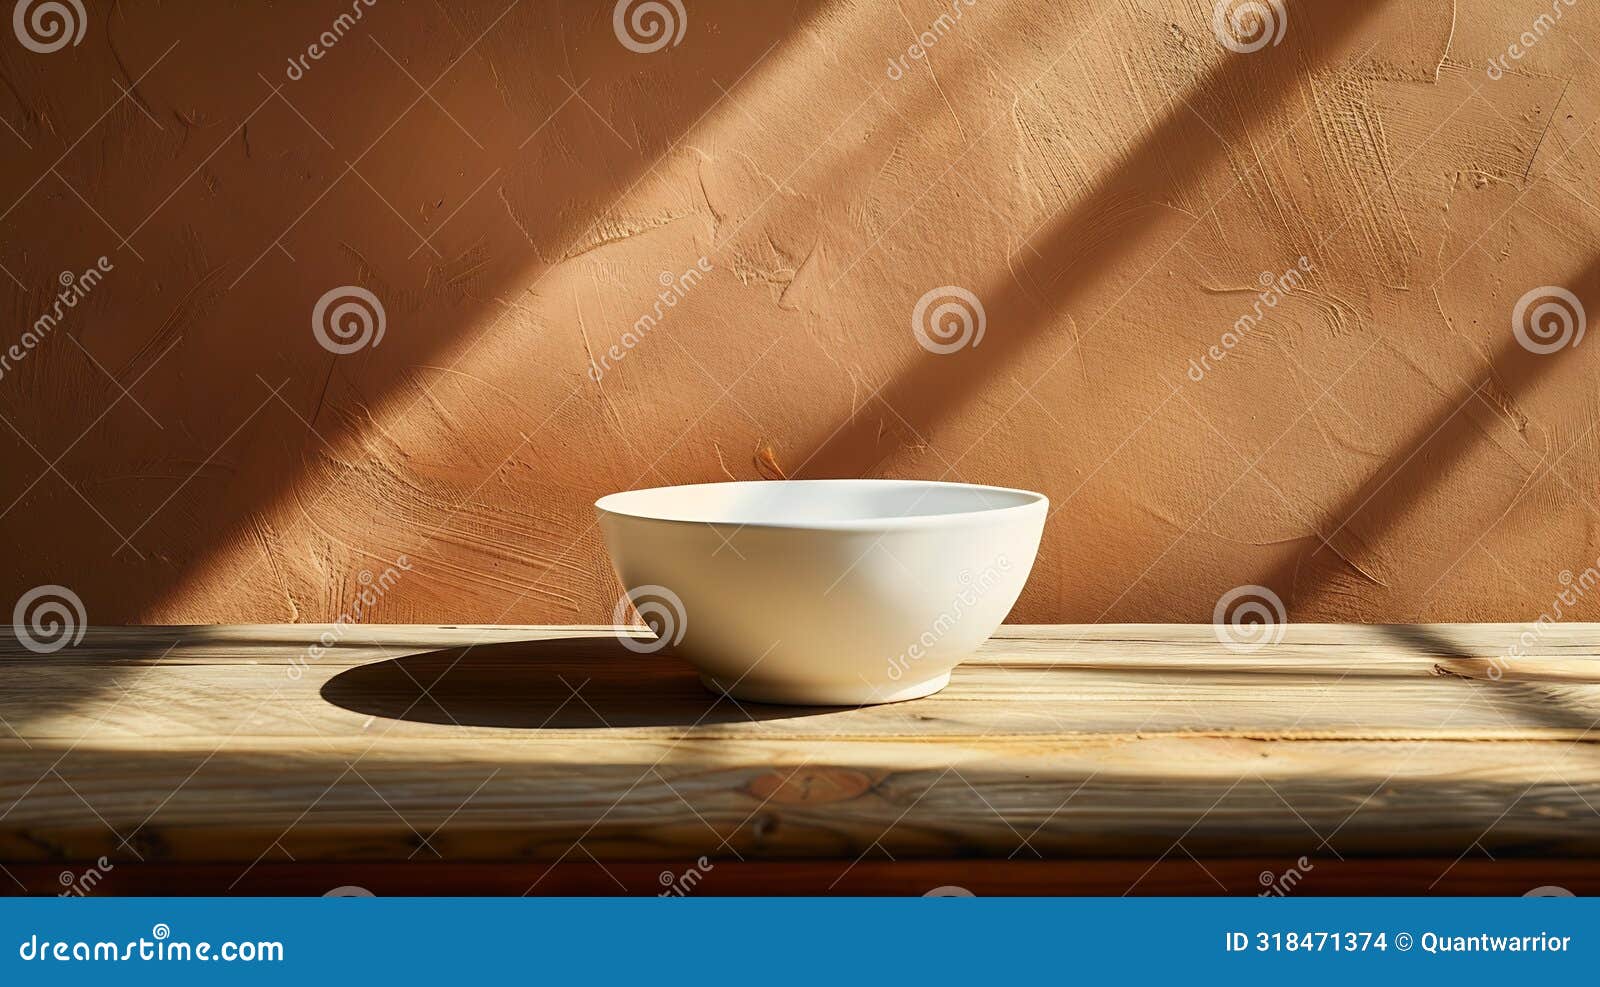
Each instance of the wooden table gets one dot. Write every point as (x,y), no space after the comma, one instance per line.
(551,760)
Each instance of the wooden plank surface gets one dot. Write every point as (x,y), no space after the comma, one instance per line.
(1175,874)
(232,747)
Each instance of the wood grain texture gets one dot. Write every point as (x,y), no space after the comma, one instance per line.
(225,747)
(1173,875)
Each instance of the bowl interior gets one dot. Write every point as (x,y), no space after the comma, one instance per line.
(814,503)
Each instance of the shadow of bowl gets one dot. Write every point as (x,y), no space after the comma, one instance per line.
(577,683)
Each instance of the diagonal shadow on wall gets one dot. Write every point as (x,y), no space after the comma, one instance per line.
(184,518)
(1384,500)
(1074,255)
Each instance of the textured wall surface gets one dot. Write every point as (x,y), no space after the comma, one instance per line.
(199,427)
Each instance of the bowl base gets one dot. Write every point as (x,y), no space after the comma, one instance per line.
(825,694)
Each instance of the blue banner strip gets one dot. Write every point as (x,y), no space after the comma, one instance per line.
(795,940)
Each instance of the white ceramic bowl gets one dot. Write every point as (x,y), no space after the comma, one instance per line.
(822,592)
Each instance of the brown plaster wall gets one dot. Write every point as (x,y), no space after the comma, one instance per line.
(511,182)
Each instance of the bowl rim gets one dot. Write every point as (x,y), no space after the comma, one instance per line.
(1035,502)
